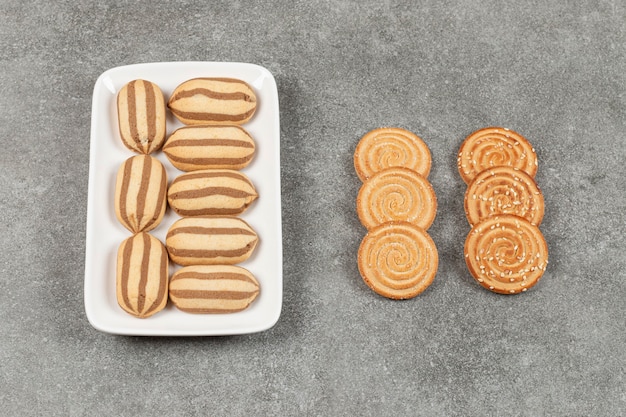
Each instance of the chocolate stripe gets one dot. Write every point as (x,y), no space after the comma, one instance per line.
(143,280)
(210,253)
(212,310)
(210,191)
(132,113)
(198,230)
(150,114)
(124,192)
(211,174)
(213,295)
(212,211)
(142,193)
(210,161)
(238,95)
(126,254)
(162,283)
(216,117)
(210,276)
(160,199)
(237,143)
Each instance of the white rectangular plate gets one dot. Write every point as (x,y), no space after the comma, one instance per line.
(105,233)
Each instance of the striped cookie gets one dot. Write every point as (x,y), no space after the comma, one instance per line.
(142,272)
(141,116)
(213,289)
(194,148)
(213,101)
(210,241)
(211,192)
(140,192)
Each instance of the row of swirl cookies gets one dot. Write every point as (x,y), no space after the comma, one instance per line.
(505,250)
(397,204)
(215,189)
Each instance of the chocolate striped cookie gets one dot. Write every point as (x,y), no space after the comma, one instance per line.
(213,101)
(142,272)
(210,241)
(213,289)
(194,148)
(211,192)
(141,116)
(140,193)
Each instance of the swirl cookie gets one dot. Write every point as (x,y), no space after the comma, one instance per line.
(210,241)
(495,146)
(140,193)
(193,148)
(398,260)
(213,289)
(142,275)
(503,190)
(506,254)
(391,147)
(213,101)
(211,192)
(396,194)
(141,116)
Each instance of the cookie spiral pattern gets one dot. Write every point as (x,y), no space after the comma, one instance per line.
(506,254)
(503,190)
(391,147)
(396,194)
(495,146)
(398,260)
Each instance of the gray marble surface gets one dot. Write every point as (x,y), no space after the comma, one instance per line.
(554,71)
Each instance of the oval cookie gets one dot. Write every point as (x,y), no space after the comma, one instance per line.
(495,146)
(142,275)
(210,241)
(506,254)
(391,147)
(211,192)
(398,260)
(396,194)
(141,116)
(140,193)
(213,101)
(503,190)
(213,289)
(194,148)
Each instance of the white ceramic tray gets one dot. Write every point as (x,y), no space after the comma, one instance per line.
(105,233)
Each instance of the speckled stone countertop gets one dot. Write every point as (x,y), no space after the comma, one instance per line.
(553,71)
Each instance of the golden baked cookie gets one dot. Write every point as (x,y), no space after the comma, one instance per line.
(506,254)
(391,147)
(213,101)
(141,116)
(193,148)
(503,190)
(495,146)
(140,193)
(213,289)
(210,240)
(211,192)
(142,275)
(396,194)
(398,260)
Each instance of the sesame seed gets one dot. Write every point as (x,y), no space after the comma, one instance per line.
(524,289)
(511,291)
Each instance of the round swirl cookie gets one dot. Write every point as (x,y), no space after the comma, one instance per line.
(391,147)
(142,275)
(506,254)
(503,190)
(398,260)
(213,101)
(140,193)
(141,116)
(396,194)
(495,146)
